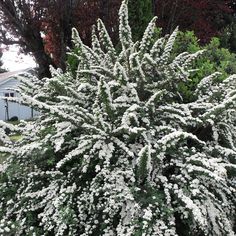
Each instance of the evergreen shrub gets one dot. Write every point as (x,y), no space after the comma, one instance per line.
(214,58)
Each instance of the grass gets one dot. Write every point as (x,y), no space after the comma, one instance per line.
(13,122)
(14,138)
(3,157)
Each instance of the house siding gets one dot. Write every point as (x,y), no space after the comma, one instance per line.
(14,109)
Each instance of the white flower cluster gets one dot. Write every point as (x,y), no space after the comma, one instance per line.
(116,150)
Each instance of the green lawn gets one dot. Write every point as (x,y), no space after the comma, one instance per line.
(3,157)
(13,138)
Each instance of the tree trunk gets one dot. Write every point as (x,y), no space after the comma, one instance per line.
(35,45)
(44,62)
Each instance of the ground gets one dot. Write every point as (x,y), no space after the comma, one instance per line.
(3,156)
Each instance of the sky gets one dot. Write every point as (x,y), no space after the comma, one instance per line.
(13,60)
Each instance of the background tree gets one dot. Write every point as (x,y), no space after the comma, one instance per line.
(1,63)
(56,26)
(140,14)
(43,28)
(21,23)
(87,13)
(205,18)
(228,35)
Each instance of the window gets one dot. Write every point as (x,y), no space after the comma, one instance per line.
(7,95)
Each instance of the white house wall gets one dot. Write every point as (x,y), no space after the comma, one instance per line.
(15,109)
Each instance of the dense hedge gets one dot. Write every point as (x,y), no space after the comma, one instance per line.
(118,150)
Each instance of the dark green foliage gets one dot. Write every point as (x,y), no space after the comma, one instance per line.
(72,61)
(228,34)
(140,14)
(214,59)
(142,169)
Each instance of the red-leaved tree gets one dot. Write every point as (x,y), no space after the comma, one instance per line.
(43,28)
(205,17)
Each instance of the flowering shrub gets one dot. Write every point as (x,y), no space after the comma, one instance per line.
(117,151)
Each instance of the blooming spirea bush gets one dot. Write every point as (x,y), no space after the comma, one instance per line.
(118,151)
